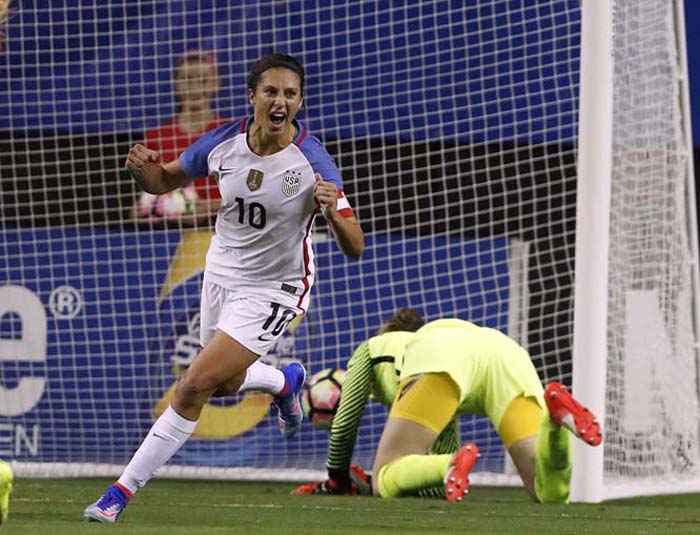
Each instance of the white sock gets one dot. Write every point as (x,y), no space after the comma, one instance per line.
(263,378)
(168,434)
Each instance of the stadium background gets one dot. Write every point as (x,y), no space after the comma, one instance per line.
(62,122)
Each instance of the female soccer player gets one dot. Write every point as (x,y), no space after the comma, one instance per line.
(196,81)
(371,371)
(452,367)
(273,177)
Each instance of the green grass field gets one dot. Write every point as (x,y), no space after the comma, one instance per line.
(54,507)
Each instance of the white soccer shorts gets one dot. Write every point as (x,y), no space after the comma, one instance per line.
(256,318)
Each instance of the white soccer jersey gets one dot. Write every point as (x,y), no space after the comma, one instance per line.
(267,208)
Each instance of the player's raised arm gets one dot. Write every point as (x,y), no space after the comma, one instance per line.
(346,230)
(151,176)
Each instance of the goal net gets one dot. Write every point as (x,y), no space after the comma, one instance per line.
(455,126)
(651,394)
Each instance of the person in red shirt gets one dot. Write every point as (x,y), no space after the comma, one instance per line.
(196,82)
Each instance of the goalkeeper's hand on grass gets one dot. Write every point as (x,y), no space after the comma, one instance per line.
(354,483)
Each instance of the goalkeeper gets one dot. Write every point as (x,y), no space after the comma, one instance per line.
(452,367)
(371,371)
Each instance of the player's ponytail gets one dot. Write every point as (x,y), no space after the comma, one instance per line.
(405,319)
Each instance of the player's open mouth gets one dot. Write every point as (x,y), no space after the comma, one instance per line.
(277,118)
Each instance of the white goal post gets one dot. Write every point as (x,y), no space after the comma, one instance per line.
(524,165)
(635,353)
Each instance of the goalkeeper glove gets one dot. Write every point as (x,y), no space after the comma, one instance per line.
(354,483)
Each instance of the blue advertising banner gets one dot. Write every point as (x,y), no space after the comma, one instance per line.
(97,324)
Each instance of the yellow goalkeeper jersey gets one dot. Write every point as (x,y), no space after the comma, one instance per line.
(371,372)
(489,368)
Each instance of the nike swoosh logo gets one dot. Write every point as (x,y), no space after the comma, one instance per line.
(264,339)
(222,170)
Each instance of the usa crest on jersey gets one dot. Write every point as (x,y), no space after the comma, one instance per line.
(291,183)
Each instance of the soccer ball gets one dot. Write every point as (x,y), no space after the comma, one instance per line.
(321,396)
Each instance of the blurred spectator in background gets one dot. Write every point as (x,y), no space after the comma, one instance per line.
(196,82)
(4,9)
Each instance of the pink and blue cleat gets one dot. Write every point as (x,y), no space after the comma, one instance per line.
(287,403)
(110,506)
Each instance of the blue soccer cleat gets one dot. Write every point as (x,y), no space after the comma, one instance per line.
(287,402)
(108,508)
(5,490)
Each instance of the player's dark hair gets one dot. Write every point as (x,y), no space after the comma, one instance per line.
(272,60)
(406,319)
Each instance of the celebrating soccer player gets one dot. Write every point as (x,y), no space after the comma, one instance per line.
(273,177)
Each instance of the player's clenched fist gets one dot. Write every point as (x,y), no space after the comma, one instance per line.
(326,194)
(139,155)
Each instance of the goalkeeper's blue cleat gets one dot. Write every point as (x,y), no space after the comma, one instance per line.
(5,490)
(108,508)
(287,402)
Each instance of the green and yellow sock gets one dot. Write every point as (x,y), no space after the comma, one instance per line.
(552,462)
(407,475)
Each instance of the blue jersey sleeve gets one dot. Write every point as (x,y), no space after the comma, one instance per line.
(321,162)
(194,161)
